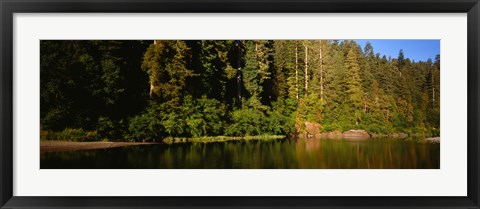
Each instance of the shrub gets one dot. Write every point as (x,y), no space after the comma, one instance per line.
(279,124)
(43,135)
(213,114)
(195,117)
(145,127)
(434,132)
(247,122)
(70,134)
(109,129)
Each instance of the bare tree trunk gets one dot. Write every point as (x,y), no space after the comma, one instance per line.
(365,104)
(433,90)
(239,75)
(388,115)
(151,88)
(296,69)
(306,69)
(321,70)
(151,80)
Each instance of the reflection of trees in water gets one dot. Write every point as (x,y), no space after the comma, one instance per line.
(284,153)
(374,153)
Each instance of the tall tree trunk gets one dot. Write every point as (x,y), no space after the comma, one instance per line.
(239,75)
(306,69)
(151,80)
(321,70)
(433,90)
(151,88)
(296,68)
(365,104)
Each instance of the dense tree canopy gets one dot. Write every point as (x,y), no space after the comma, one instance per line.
(149,90)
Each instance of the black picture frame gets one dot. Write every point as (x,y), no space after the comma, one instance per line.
(9,7)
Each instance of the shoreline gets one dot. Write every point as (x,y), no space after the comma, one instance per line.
(432,140)
(67,146)
(170,140)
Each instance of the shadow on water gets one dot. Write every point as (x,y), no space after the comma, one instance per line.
(256,154)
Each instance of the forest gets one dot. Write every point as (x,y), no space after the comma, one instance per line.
(147,90)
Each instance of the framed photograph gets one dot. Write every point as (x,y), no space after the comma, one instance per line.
(238,104)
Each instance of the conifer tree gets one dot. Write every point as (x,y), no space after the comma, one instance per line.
(353,85)
(166,63)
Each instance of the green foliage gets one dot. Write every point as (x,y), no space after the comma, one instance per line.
(194,118)
(279,124)
(111,80)
(110,129)
(247,122)
(211,63)
(166,63)
(69,134)
(257,67)
(84,80)
(144,91)
(252,122)
(214,114)
(355,95)
(145,127)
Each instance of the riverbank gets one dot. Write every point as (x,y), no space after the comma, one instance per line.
(363,134)
(170,140)
(432,140)
(64,146)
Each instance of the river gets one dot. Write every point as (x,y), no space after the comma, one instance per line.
(375,153)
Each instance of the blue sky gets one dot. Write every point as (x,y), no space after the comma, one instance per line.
(418,50)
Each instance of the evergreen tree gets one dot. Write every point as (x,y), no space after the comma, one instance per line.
(139,90)
(167,64)
(354,86)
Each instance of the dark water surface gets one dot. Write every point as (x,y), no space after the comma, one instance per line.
(278,153)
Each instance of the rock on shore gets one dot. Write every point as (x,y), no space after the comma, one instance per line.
(312,128)
(432,139)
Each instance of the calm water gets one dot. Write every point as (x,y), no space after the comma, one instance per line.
(281,153)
